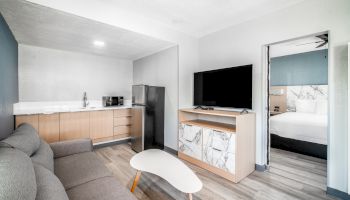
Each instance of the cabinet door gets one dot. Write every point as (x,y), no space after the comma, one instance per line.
(30,119)
(190,140)
(101,124)
(49,127)
(219,149)
(74,125)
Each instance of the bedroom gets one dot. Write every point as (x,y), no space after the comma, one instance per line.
(298,96)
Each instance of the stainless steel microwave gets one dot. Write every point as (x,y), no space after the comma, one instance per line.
(112,101)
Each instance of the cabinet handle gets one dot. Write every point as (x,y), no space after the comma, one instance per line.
(218,131)
(217,149)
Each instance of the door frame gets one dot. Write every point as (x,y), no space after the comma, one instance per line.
(265,86)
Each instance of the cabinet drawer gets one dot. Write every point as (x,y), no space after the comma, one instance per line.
(219,149)
(122,112)
(122,121)
(118,130)
(190,140)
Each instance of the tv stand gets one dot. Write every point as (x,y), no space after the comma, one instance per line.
(233,155)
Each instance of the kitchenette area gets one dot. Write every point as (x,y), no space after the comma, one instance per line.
(66,120)
(61,94)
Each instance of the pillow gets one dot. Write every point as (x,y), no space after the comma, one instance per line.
(49,186)
(17,177)
(44,156)
(25,138)
(322,107)
(305,106)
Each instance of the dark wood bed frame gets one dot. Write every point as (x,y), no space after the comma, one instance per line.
(298,146)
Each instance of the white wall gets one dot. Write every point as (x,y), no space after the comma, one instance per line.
(55,75)
(242,44)
(188,45)
(161,69)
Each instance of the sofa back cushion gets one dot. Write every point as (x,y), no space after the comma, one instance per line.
(24,138)
(48,185)
(17,178)
(44,156)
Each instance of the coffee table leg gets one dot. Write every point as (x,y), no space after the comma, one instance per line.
(136,180)
(189,196)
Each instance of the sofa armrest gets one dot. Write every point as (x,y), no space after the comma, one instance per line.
(69,147)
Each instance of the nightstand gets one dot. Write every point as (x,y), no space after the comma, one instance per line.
(273,113)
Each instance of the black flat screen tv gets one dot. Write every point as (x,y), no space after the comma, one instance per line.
(228,87)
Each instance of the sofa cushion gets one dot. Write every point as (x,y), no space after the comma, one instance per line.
(44,156)
(80,168)
(17,178)
(70,147)
(102,189)
(48,185)
(24,138)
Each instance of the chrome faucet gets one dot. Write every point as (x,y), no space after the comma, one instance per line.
(85,101)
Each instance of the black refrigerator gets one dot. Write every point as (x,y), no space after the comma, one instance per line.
(147,121)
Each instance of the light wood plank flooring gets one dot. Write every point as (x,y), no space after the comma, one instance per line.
(291,176)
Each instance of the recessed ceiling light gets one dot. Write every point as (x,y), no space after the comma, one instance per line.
(99,43)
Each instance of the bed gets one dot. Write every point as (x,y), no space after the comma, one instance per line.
(299,132)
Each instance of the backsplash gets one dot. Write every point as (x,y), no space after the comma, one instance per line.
(311,92)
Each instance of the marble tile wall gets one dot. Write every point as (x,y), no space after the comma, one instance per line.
(310,92)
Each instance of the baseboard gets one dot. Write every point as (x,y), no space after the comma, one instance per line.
(260,168)
(170,150)
(338,193)
(111,143)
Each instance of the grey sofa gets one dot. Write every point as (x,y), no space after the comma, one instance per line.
(31,169)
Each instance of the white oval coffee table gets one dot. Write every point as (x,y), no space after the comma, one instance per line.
(168,167)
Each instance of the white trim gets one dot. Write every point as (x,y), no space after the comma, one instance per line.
(264,112)
(348,119)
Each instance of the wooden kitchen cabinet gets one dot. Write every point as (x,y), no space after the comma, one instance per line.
(30,119)
(122,112)
(101,124)
(122,122)
(49,127)
(74,125)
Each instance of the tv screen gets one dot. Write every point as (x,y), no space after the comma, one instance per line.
(229,87)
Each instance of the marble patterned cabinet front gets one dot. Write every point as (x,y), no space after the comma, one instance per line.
(219,149)
(190,140)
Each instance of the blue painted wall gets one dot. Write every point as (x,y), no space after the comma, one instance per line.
(8,78)
(309,68)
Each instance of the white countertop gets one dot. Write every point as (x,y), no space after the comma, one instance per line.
(30,108)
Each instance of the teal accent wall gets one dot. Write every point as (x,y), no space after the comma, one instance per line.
(309,68)
(8,78)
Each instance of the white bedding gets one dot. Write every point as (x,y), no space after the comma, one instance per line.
(308,127)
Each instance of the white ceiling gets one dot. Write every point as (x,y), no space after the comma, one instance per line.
(296,46)
(37,25)
(194,17)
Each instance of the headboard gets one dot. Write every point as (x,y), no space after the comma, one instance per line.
(285,96)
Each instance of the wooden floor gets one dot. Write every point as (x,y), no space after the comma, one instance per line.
(291,176)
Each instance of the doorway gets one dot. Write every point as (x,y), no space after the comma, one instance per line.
(297,108)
